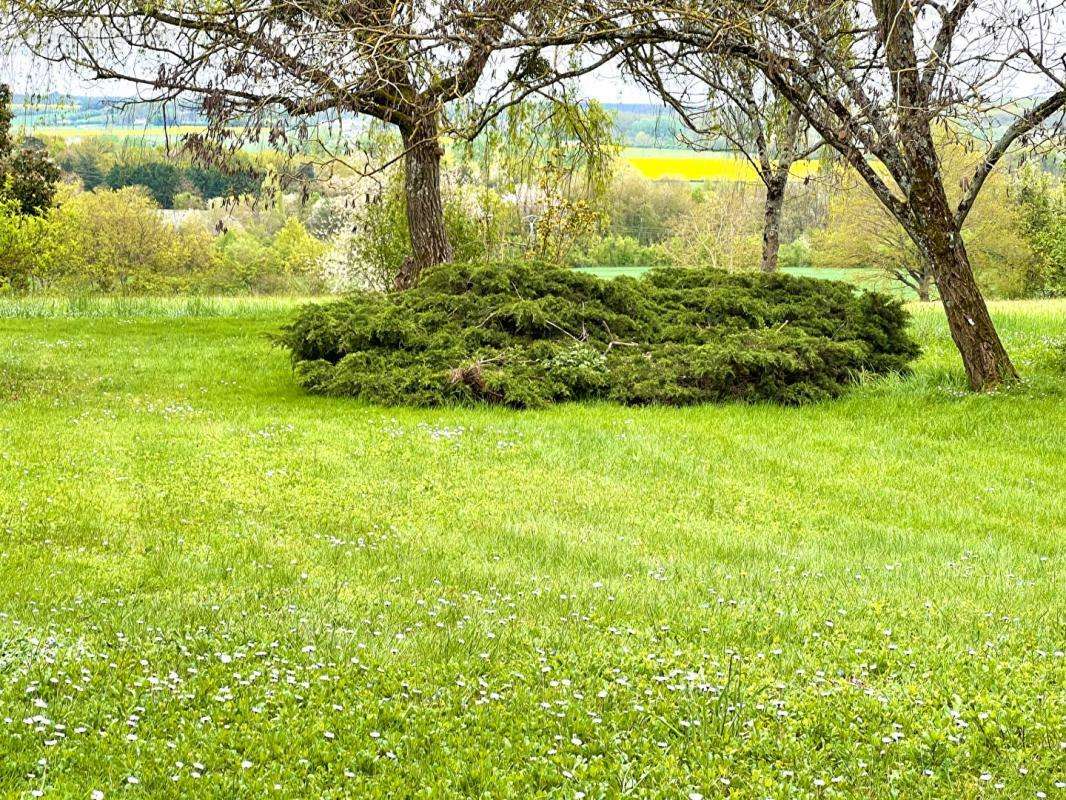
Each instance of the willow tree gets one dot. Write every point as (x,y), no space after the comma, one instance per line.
(877,80)
(278,71)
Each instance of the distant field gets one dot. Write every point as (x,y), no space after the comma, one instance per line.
(656,164)
(685,165)
(148,134)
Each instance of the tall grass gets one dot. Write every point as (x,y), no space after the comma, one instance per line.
(120,307)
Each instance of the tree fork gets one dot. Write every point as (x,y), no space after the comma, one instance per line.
(771,232)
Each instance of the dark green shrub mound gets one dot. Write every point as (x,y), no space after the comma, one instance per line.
(529,335)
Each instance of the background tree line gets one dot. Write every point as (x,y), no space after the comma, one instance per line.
(351,232)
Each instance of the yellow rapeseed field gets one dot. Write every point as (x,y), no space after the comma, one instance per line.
(145,132)
(683,165)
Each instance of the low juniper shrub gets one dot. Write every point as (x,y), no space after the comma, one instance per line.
(527,335)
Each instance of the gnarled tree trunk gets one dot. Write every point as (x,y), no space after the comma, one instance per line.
(425,209)
(986,360)
(935,231)
(927,215)
(771,231)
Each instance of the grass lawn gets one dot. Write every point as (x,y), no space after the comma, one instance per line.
(872,279)
(212,585)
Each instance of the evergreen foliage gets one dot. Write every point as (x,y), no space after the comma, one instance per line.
(527,335)
(162,180)
(27,175)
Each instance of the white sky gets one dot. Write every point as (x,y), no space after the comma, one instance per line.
(28,75)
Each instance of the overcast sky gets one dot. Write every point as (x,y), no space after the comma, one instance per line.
(27,75)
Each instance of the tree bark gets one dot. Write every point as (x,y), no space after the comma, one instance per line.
(927,215)
(925,285)
(986,360)
(425,209)
(937,235)
(771,232)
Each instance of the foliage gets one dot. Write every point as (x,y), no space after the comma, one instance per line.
(89,161)
(6,116)
(21,236)
(170,179)
(285,262)
(572,139)
(30,178)
(530,335)
(646,125)
(160,178)
(563,224)
(1044,224)
(27,173)
(644,209)
(862,233)
(330,217)
(723,229)
(795,255)
(556,162)
(297,252)
(115,241)
(188,201)
(211,182)
(372,242)
(619,251)
(481,224)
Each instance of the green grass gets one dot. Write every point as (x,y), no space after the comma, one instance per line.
(134,307)
(872,279)
(221,587)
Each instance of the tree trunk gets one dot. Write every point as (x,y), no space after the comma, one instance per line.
(425,210)
(924,286)
(933,227)
(983,355)
(927,215)
(771,232)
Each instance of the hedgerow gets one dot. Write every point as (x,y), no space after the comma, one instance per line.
(527,335)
